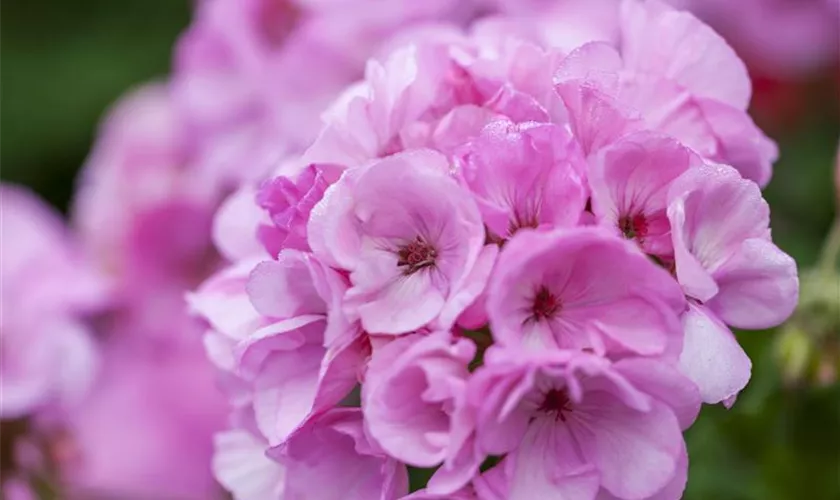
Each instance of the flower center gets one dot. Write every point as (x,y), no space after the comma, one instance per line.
(415,255)
(556,402)
(546,305)
(520,221)
(633,226)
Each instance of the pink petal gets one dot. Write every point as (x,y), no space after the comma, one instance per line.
(240,465)
(660,40)
(636,452)
(759,287)
(712,357)
(547,465)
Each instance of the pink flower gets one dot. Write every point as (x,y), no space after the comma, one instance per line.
(411,388)
(525,176)
(163,406)
(411,239)
(732,271)
(574,423)
(242,467)
(582,288)
(331,458)
(725,258)
(16,489)
(49,358)
(630,181)
(656,82)
(297,367)
(786,39)
(289,204)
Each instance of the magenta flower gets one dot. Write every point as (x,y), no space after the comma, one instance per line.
(331,458)
(574,423)
(583,289)
(411,239)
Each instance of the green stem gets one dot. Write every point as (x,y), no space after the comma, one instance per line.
(831,247)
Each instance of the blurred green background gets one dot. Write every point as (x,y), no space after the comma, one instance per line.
(64,62)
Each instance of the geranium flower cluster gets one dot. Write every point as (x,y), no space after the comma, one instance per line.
(511,262)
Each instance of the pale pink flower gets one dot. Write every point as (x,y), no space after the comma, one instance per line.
(289,203)
(573,423)
(724,255)
(630,181)
(48,356)
(789,40)
(331,458)
(16,489)
(297,366)
(411,388)
(657,75)
(525,176)
(729,267)
(410,237)
(162,406)
(582,288)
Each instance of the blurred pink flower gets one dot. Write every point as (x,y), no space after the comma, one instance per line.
(161,404)
(789,40)
(49,358)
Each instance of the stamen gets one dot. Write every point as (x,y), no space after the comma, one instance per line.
(557,402)
(546,305)
(417,254)
(633,227)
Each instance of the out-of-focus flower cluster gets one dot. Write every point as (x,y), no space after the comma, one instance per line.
(512,252)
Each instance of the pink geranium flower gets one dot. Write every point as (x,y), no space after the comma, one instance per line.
(574,423)
(584,289)
(525,176)
(630,181)
(49,286)
(331,458)
(411,239)
(731,270)
(297,367)
(413,424)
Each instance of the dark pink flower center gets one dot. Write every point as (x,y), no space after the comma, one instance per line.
(556,402)
(633,226)
(415,255)
(546,305)
(520,221)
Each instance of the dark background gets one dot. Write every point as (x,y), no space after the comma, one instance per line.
(64,62)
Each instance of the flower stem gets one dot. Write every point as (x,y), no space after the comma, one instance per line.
(831,247)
